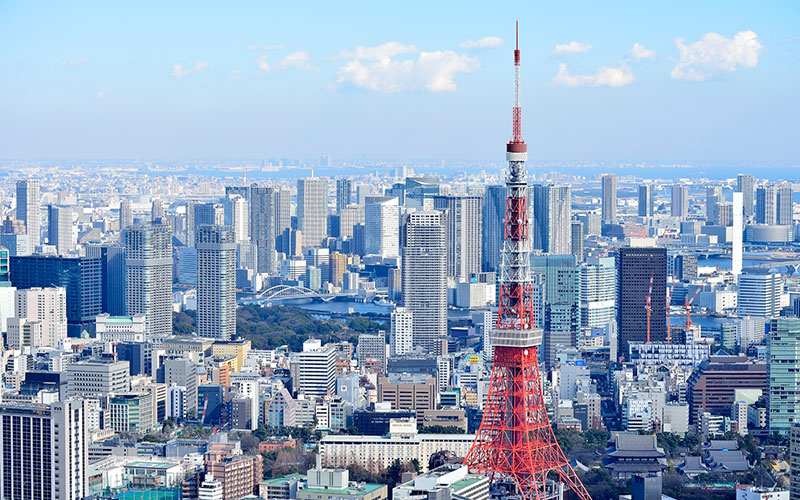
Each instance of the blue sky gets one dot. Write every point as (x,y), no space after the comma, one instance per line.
(707,82)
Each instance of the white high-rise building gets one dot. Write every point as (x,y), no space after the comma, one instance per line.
(316,369)
(598,291)
(240,218)
(148,280)
(125,213)
(736,237)
(680,200)
(489,324)
(382,233)
(312,209)
(402,336)
(29,209)
(760,293)
(424,275)
(176,401)
(609,190)
(40,318)
(552,230)
(216,282)
(44,451)
(59,228)
(463,222)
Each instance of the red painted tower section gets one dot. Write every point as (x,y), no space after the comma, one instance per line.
(515,439)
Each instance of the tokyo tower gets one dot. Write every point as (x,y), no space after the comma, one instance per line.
(515,440)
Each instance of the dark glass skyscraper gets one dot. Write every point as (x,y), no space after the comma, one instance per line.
(112,262)
(562,309)
(634,268)
(80,276)
(494,214)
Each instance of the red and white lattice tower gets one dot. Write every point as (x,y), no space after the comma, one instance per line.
(515,439)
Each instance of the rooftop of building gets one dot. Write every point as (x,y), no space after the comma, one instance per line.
(152,465)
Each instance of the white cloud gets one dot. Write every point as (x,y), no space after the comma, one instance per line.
(101,94)
(639,52)
(266,47)
(715,53)
(261,62)
(378,69)
(385,51)
(297,60)
(236,75)
(73,62)
(572,48)
(178,71)
(487,42)
(606,76)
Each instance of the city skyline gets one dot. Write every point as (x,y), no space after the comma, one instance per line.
(110,82)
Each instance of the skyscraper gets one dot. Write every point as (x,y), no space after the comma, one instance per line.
(28,209)
(283,209)
(402,334)
(759,293)
(262,225)
(576,236)
(635,266)
(45,450)
(59,228)
(552,232)
(312,209)
(237,215)
(783,378)
(216,282)
(112,276)
(494,214)
(344,192)
(203,214)
(463,225)
(609,188)
(680,200)
(774,204)
(598,292)
(125,213)
(783,204)
(156,210)
(382,215)
(425,278)
(713,200)
(148,268)
(46,306)
(646,203)
(744,185)
(562,312)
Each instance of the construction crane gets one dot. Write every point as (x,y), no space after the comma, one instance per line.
(688,306)
(205,408)
(648,305)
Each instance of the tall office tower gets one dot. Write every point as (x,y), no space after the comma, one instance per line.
(635,266)
(646,201)
(767,204)
(344,192)
(59,228)
(262,226)
(382,214)
(680,200)
(402,332)
(316,369)
(148,275)
(552,232)
(156,210)
(562,311)
(112,276)
(759,293)
(598,293)
(783,365)
(783,204)
(736,239)
(713,199)
(494,214)
(125,213)
(181,372)
(576,237)
(80,276)
(338,266)
(45,306)
(745,185)
(216,282)
(283,209)
(239,209)
(349,217)
(362,191)
(463,223)
(609,185)
(28,209)
(203,214)
(425,279)
(372,352)
(45,450)
(243,191)
(312,209)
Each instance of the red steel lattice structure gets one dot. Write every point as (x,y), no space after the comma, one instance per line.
(515,439)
